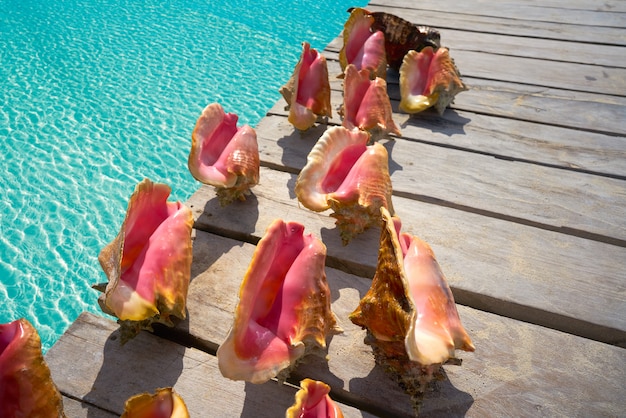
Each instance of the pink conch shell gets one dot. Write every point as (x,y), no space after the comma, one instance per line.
(284,307)
(361,46)
(366,104)
(224,155)
(344,174)
(428,78)
(26,387)
(148,264)
(312,401)
(165,403)
(307,92)
(401,36)
(409,312)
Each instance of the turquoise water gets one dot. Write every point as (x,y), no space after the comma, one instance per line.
(95,96)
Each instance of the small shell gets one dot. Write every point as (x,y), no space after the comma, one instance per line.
(409,312)
(26,387)
(312,401)
(307,92)
(366,104)
(165,403)
(344,174)
(223,155)
(362,47)
(284,307)
(148,264)
(428,78)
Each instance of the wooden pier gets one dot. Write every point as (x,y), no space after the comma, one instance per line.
(520,189)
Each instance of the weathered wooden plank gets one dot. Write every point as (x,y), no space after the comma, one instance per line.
(514,11)
(89,363)
(529,193)
(542,73)
(596,113)
(76,409)
(499,137)
(487,24)
(605,6)
(514,367)
(589,112)
(569,109)
(514,270)
(522,46)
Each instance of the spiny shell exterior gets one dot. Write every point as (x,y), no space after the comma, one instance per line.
(399,333)
(307,92)
(148,264)
(164,403)
(344,174)
(361,46)
(366,104)
(26,386)
(428,78)
(313,401)
(402,36)
(284,307)
(223,155)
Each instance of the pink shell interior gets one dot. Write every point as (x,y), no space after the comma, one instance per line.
(313,401)
(220,151)
(366,102)
(364,49)
(277,299)
(436,330)
(149,263)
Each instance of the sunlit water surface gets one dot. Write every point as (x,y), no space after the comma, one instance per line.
(97,95)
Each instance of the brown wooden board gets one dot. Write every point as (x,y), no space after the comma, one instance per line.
(544,277)
(483,134)
(590,112)
(539,30)
(521,46)
(578,203)
(515,367)
(89,363)
(77,409)
(514,11)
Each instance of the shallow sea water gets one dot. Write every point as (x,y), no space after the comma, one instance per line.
(96,96)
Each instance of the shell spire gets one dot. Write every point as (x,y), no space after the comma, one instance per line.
(409,312)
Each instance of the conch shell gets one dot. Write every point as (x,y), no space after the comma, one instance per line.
(148,264)
(361,46)
(165,403)
(223,155)
(366,104)
(409,312)
(428,78)
(307,92)
(346,175)
(284,307)
(312,401)
(402,36)
(26,387)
